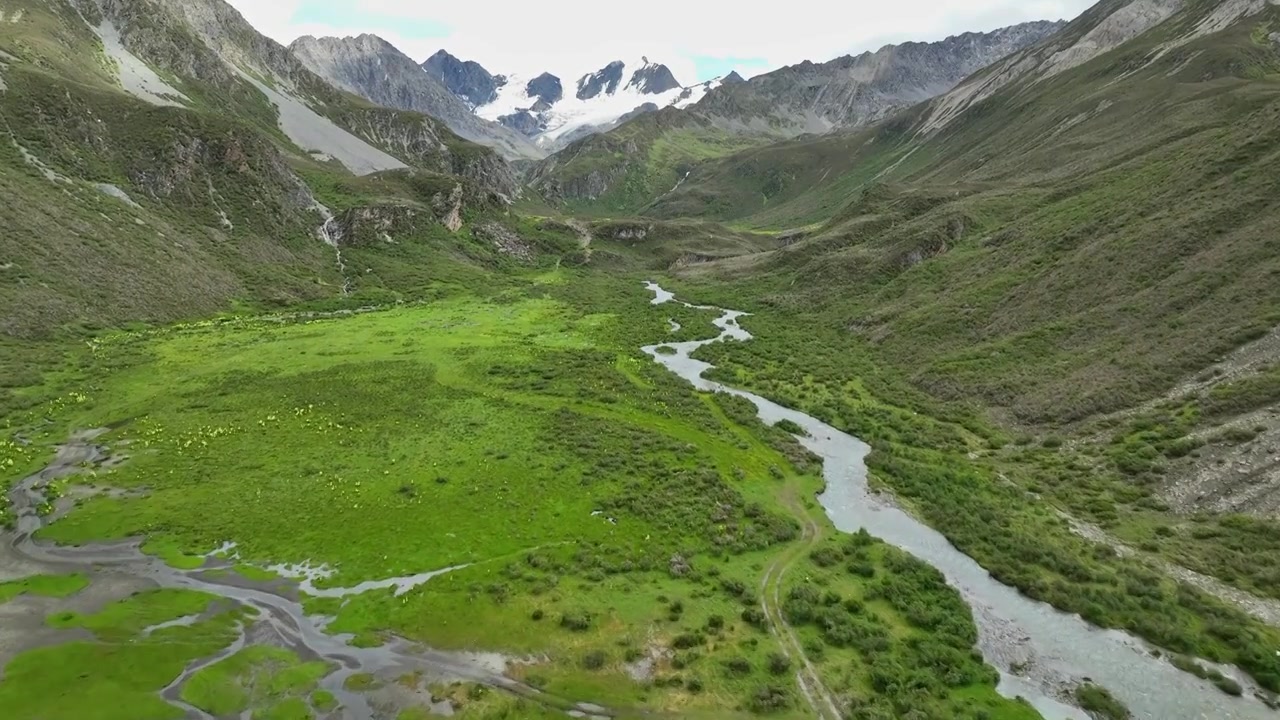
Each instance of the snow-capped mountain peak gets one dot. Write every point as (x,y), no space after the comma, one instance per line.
(542,107)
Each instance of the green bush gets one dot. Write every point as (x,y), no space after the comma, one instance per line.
(576,621)
(1101,703)
(594,660)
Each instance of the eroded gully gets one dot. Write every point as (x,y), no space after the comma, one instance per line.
(1040,652)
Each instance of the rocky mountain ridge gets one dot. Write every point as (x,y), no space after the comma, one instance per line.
(553,111)
(375,70)
(731,114)
(855,91)
(468,80)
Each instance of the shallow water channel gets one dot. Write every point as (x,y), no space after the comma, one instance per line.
(1041,653)
(281,620)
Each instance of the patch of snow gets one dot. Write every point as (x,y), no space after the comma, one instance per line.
(681,181)
(115,192)
(17,17)
(571,114)
(134,75)
(315,133)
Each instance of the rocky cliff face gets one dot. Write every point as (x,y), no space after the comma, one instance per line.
(604,81)
(372,68)
(466,79)
(547,89)
(855,91)
(653,79)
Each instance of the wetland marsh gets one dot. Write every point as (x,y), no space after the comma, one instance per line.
(475,493)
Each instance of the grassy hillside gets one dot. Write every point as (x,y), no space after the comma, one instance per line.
(623,170)
(124,210)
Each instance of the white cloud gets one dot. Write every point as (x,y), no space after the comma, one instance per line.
(569,37)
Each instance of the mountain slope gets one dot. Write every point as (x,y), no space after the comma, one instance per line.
(468,80)
(844,94)
(1109,218)
(372,68)
(161,160)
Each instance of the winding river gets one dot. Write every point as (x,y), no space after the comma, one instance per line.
(1039,651)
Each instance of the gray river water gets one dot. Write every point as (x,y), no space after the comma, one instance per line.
(1040,652)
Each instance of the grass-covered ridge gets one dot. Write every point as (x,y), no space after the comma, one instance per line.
(623,171)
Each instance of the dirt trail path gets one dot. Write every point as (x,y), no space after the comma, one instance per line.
(807,677)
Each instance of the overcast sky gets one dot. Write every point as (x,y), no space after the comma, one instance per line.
(697,39)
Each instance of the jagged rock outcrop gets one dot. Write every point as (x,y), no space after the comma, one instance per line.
(547,89)
(653,79)
(605,81)
(465,78)
(374,69)
(505,240)
(523,122)
(645,108)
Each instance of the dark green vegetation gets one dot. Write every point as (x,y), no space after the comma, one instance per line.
(985,507)
(259,676)
(46,585)
(890,635)
(1099,702)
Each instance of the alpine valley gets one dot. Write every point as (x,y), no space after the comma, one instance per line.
(935,381)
